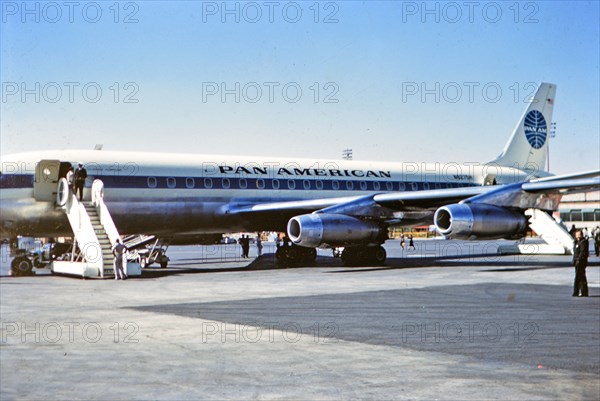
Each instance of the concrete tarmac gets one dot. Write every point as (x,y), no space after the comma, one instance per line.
(450,320)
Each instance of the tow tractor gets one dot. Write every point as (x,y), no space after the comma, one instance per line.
(31,257)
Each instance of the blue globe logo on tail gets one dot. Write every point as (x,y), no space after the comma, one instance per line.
(535,129)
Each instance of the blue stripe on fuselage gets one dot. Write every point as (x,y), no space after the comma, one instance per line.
(156,182)
(16,181)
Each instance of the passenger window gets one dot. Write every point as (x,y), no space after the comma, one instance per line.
(376,185)
(190,183)
(275,184)
(426,185)
(389,186)
(151,182)
(260,183)
(306,184)
(349,185)
(319,185)
(171,183)
(243,183)
(291,184)
(226,183)
(335,185)
(208,183)
(438,186)
(402,186)
(363,185)
(414,186)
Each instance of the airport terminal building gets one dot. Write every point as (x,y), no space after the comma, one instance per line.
(581,209)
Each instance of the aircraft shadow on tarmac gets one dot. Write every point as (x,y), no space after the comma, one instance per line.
(487,263)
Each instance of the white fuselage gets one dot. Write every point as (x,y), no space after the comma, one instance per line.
(186,194)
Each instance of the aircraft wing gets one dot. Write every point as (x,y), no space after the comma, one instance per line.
(383,205)
(421,199)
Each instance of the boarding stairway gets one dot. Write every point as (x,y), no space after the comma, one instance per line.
(557,240)
(555,235)
(94,234)
(138,241)
(108,259)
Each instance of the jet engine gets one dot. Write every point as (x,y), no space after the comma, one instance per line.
(479,221)
(314,230)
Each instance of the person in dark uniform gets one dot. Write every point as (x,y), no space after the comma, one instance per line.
(80,176)
(119,251)
(580,259)
(596,235)
(245,244)
(259,245)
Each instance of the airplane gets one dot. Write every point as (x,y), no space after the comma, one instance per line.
(191,199)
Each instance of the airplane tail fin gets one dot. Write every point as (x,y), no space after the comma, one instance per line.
(528,145)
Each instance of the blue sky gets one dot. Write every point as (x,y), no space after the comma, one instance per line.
(161,68)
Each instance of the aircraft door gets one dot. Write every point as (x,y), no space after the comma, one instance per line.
(489,179)
(47,174)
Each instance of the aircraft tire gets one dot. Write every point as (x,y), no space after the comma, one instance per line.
(284,256)
(309,255)
(352,256)
(279,255)
(21,266)
(377,255)
(164,264)
(362,255)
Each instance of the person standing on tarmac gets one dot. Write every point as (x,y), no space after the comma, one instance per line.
(119,252)
(597,241)
(245,243)
(580,259)
(80,176)
(572,231)
(259,245)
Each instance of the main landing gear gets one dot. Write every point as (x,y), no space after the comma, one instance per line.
(295,254)
(364,255)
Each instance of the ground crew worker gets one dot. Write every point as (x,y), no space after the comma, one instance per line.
(580,259)
(245,244)
(259,244)
(119,251)
(80,176)
(597,241)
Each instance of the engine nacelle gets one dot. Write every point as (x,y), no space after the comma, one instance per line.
(314,230)
(479,221)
